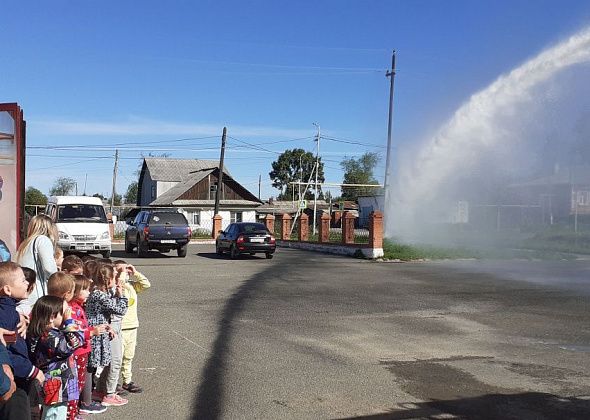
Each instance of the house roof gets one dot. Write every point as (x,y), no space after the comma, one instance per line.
(211,203)
(178,170)
(566,176)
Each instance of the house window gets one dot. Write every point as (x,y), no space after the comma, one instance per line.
(235,216)
(154,191)
(197,218)
(212,192)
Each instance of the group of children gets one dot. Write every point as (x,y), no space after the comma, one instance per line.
(80,339)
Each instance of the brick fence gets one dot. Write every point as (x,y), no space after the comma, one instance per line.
(347,246)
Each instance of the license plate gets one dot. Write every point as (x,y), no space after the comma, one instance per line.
(84,247)
(168,241)
(257,240)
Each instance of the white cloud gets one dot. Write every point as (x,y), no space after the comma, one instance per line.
(138,126)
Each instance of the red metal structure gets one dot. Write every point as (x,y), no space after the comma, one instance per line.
(12,174)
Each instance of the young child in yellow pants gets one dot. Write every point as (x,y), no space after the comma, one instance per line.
(134,283)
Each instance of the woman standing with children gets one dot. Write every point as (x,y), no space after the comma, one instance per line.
(37,252)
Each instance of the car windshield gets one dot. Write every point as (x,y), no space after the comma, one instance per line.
(90,213)
(171,218)
(252,227)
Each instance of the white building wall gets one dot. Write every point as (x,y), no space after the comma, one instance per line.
(206,218)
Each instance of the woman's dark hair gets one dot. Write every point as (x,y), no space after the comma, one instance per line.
(43,310)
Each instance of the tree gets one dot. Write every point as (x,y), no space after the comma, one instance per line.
(63,186)
(34,197)
(359,171)
(131,194)
(99,195)
(291,166)
(117,201)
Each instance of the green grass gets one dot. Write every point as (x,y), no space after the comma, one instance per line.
(397,251)
(559,240)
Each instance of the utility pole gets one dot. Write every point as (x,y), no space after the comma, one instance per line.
(391,75)
(114,179)
(259,182)
(317,169)
(85,181)
(220,179)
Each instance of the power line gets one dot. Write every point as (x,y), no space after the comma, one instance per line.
(127,143)
(349,141)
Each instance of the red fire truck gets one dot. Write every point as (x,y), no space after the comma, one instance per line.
(12,174)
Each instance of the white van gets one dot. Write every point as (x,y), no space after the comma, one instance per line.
(82,224)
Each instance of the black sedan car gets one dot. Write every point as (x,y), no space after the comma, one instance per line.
(245,238)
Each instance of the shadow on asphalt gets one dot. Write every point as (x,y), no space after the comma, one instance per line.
(214,256)
(524,406)
(210,394)
(149,254)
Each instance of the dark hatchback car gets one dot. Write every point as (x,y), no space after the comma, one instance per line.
(245,238)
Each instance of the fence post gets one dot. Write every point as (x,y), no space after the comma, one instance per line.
(324,228)
(269,221)
(348,228)
(285,226)
(376,230)
(216,226)
(304,227)
(111,225)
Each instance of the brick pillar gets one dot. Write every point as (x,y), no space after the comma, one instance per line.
(348,228)
(304,227)
(337,217)
(285,226)
(376,229)
(269,222)
(216,226)
(324,230)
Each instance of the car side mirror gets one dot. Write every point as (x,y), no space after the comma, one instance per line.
(221,232)
(130,222)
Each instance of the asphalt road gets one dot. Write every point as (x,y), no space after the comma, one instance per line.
(311,336)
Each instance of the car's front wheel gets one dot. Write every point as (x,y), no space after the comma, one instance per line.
(106,254)
(218,250)
(128,246)
(140,248)
(269,256)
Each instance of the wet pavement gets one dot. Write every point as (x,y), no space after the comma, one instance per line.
(316,336)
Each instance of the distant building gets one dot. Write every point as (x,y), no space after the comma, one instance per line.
(368,204)
(560,195)
(190,185)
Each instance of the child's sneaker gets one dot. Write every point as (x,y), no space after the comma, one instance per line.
(92,408)
(131,387)
(114,400)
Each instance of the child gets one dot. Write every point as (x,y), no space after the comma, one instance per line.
(58,255)
(100,307)
(53,336)
(62,285)
(133,283)
(81,292)
(90,268)
(13,287)
(31,277)
(72,264)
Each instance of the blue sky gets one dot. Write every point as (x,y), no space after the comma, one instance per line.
(144,76)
